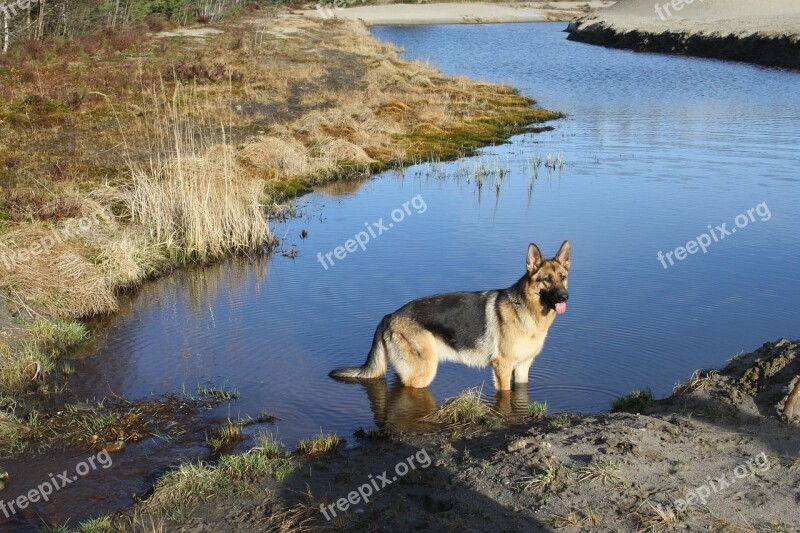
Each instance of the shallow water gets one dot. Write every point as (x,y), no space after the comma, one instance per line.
(655,149)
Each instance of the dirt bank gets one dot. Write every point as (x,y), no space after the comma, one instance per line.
(720,454)
(764,33)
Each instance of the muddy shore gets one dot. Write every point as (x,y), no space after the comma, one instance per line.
(720,454)
(764,34)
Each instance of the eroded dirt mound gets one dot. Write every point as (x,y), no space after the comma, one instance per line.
(765,379)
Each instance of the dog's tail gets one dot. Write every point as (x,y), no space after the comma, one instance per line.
(375,366)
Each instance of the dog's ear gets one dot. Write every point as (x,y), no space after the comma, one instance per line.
(563,254)
(534,259)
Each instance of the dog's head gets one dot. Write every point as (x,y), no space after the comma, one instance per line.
(548,278)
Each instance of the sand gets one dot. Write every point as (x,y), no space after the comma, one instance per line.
(764,33)
(457,13)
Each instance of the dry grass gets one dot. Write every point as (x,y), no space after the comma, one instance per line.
(700,380)
(603,471)
(468,408)
(196,200)
(656,518)
(546,478)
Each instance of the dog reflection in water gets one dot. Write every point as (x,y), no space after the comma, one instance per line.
(402,409)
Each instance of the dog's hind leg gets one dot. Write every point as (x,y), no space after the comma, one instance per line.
(412,352)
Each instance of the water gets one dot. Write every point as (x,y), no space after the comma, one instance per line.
(656,148)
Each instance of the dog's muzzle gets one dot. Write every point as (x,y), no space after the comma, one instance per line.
(559,299)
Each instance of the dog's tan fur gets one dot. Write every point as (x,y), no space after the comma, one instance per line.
(517,320)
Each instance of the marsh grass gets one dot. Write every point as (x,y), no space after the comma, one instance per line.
(537,410)
(225,437)
(194,483)
(322,444)
(559,421)
(466,409)
(189,194)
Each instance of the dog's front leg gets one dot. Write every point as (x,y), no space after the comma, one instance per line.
(502,373)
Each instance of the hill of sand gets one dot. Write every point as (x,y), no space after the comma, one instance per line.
(766,33)
(457,13)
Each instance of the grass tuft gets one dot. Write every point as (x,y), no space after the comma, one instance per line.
(466,409)
(194,483)
(636,401)
(322,444)
(538,409)
(225,437)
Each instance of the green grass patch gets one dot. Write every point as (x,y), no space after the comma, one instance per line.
(635,402)
(194,483)
(322,444)
(537,409)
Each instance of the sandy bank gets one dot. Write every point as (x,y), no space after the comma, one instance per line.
(764,33)
(720,454)
(457,13)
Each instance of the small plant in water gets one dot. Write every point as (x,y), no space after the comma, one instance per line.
(538,409)
(225,438)
(320,445)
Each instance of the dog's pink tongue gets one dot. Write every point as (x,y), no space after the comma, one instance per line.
(561,308)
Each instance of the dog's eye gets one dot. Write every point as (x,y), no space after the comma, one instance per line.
(563,277)
(548,279)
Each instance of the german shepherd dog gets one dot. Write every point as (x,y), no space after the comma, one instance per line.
(504,328)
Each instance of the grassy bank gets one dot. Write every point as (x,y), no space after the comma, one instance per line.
(126,155)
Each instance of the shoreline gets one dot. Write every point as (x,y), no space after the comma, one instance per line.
(645,465)
(458,13)
(760,35)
